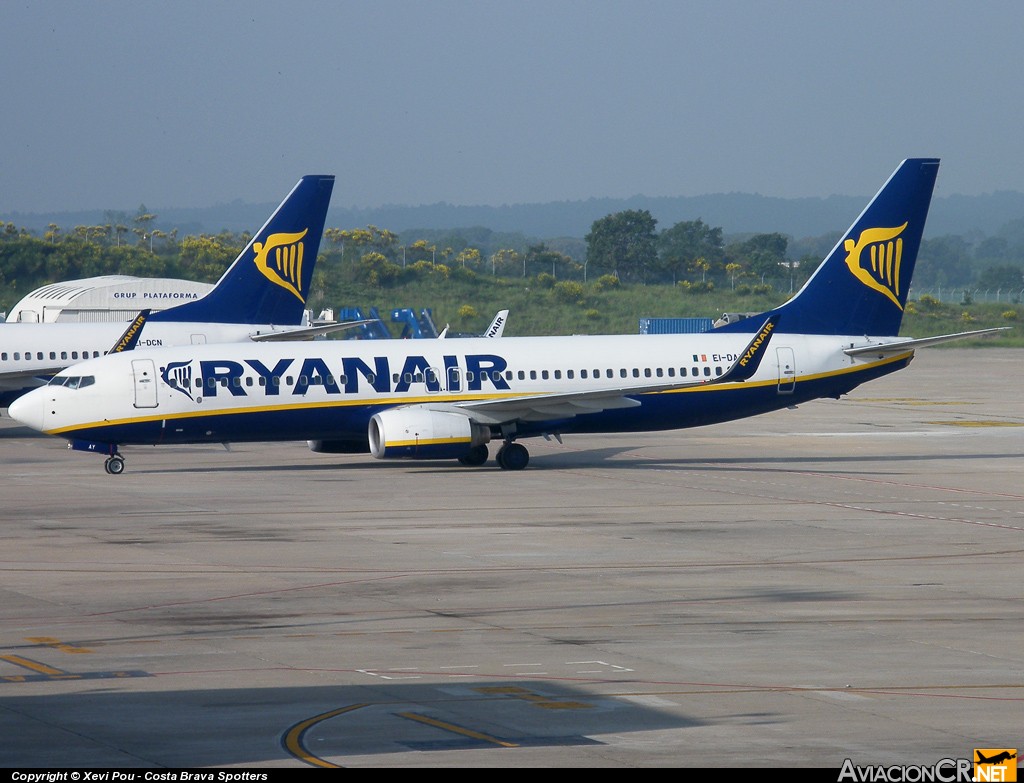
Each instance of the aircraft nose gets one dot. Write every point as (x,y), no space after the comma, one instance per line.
(29,409)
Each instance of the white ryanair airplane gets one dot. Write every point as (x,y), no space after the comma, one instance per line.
(261,296)
(440,399)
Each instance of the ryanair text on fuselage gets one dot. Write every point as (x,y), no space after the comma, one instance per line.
(226,375)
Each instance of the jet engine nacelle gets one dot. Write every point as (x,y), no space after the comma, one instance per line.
(420,433)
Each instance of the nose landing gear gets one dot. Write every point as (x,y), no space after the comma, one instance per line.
(114,465)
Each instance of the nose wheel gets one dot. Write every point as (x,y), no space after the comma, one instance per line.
(114,465)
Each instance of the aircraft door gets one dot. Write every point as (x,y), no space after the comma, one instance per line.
(455,379)
(144,374)
(199,339)
(787,369)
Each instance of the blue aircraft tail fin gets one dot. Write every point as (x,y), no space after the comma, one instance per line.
(270,279)
(861,287)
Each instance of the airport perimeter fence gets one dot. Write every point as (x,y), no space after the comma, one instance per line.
(952,294)
(966,295)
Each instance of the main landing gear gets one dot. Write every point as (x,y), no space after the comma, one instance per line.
(477,456)
(511,456)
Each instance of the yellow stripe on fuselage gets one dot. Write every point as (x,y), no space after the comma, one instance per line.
(362,401)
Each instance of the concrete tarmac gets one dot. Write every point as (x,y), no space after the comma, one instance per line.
(841,581)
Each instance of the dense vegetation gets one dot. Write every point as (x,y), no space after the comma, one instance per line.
(622,271)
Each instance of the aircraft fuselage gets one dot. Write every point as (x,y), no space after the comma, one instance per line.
(331,389)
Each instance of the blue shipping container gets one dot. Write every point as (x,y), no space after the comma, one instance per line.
(675,325)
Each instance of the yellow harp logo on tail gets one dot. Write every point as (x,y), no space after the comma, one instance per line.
(879,268)
(279,259)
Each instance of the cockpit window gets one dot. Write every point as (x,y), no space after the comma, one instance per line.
(73,381)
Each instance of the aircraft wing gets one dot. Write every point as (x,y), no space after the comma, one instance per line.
(306,332)
(42,374)
(902,346)
(539,407)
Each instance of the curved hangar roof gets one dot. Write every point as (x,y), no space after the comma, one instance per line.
(107,298)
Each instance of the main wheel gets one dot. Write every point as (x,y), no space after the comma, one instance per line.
(114,465)
(476,456)
(513,456)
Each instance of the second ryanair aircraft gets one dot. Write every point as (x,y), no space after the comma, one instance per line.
(439,399)
(261,296)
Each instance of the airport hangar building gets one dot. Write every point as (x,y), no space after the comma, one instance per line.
(110,298)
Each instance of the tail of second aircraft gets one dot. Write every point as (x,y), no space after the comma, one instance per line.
(269,280)
(861,287)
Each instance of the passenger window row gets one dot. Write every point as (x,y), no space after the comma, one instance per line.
(41,356)
(330,380)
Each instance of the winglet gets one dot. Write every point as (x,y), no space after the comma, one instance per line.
(751,357)
(130,338)
(497,325)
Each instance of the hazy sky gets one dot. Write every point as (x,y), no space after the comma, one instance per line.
(107,105)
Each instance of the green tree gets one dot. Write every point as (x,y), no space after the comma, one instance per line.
(701,266)
(375,269)
(504,261)
(205,258)
(733,271)
(143,220)
(992,249)
(684,243)
(1005,277)
(763,255)
(421,250)
(624,243)
(469,256)
(540,258)
(943,261)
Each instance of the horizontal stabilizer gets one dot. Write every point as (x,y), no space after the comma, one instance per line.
(901,346)
(305,332)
